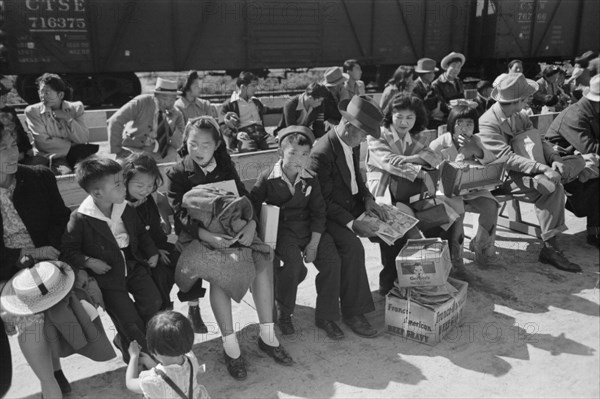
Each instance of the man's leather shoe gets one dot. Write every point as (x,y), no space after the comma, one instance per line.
(331,328)
(286,326)
(555,258)
(118,342)
(360,326)
(236,367)
(276,352)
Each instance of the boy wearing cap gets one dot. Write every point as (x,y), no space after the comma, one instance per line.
(577,128)
(334,80)
(426,69)
(335,159)
(301,235)
(448,85)
(149,123)
(483,99)
(241,117)
(106,238)
(529,180)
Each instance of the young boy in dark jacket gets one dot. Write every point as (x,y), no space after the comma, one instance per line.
(106,237)
(301,234)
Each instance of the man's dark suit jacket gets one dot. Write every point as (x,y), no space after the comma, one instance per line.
(329,163)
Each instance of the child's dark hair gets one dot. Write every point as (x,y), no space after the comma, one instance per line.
(482,85)
(169,333)
(142,163)
(246,78)
(463,112)
(403,101)
(206,123)
(295,138)
(349,65)
(56,83)
(316,90)
(93,169)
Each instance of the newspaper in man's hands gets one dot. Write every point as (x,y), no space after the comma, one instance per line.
(395,227)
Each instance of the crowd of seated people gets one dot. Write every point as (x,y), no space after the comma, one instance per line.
(114,247)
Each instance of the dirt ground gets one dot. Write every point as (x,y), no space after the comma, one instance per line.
(528,331)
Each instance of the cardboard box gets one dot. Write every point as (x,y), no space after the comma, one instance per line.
(421,323)
(423,262)
(460,178)
(268,224)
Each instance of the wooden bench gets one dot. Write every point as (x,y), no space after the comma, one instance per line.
(249,166)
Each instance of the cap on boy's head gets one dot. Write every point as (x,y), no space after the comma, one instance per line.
(91,170)
(303,130)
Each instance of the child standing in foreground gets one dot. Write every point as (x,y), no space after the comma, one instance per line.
(170,339)
(205,160)
(301,235)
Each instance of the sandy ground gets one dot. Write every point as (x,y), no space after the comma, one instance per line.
(528,331)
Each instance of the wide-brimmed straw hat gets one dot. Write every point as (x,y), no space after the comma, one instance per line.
(365,114)
(425,65)
(514,87)
(334,76)
(594,93)
(303,130)
(35,289)
(164,86)
(452,55)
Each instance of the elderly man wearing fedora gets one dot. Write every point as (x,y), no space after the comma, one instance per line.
(334,79)
(448,85)
(335,159)
(150,123)
(426,69)
(538,181)
(577,128)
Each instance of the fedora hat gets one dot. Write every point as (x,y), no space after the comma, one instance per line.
(587,56)
(334,76)
(365,114)
(35,289)
(303,130)
(164,86)
(425,65)
(452,55)
(514,87)
(594,93)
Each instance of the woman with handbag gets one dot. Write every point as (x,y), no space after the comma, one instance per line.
(460,144)
(400,168)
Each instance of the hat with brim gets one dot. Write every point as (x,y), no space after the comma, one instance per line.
(38,288)
(334,76)
(303,130)
(451,56)
(425,65)
(514,87)
(594,93)
(587,56)
(164,86)
(363,113)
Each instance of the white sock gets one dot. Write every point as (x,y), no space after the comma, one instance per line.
(231,346)
(193,303)
(267,334)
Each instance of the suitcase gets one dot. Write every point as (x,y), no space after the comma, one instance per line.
(462,178)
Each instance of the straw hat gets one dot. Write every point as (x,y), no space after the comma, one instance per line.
(164,86)
(334,76)
(425,65)
(363,113)
(594,93)
(303,130)
(514,87)
(35,289)
(452,55)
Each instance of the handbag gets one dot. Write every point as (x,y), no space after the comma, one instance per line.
(403,189)
(431,213)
